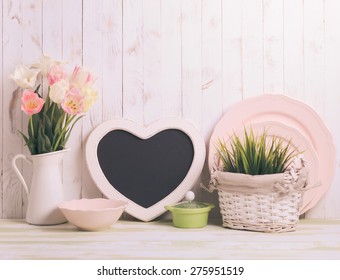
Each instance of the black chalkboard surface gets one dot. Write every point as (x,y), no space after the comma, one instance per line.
(145,170)
(147,166)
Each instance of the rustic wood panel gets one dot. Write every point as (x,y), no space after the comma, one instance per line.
(93,59)
(171,58)
(1,114)
(212,83)
(330,100)
(293,49)
(273,46)
(62,39)
(12,54)
(32,39)
(192,61)
(133,70)
(192,65)
(314,61)
(252,48)
(312,240)
(152,99)
(112,36)
(161,58)
(212,93)
(314,53)
(232,52)
(72,49)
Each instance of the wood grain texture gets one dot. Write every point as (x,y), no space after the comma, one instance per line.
(133,70)
(112,76)
(273,46)
(232,52)
(212,92)
(1,114)
(313,239)
(293,48)
(72,49)
(192,66)
(330,98)
(162,58)
(33,40)
(212,83)
(252,48)
(12,191)
(314,53)
(152,99)
(93,59)
(192,61)
(171,58)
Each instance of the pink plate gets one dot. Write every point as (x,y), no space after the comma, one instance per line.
(286,133)
(291,119)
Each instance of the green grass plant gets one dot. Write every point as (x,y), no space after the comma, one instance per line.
(255,155)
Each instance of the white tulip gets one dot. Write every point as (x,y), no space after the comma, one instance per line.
(90,96)
(45,63)
(25,77)
(58,91)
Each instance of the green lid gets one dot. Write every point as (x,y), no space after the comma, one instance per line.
(190,204)
(190,214)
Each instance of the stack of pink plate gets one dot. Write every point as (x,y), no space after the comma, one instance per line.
(288,119)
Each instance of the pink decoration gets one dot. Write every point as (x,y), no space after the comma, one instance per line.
(288,118)
(73,103)
(56,74)
(31,102)
(81,78)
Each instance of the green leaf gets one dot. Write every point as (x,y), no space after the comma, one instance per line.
(254,155)
(24,137)
(68,133)
(35,121)
(44,144)
(29,142)
(60,120)
(49,108)
(40,143)
(48,127)
(37,90)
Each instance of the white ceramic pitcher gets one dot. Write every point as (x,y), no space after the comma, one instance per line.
(46,190)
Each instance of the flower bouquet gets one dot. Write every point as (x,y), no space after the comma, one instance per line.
(52,116)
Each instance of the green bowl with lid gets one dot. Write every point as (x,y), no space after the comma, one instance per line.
(190,214)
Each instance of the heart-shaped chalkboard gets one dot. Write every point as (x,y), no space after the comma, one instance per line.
(149,166)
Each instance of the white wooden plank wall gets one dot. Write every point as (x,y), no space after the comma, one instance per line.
(162,58)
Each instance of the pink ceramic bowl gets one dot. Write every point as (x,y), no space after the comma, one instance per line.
(92,214)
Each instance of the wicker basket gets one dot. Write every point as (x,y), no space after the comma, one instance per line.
(260,212)
(265,203)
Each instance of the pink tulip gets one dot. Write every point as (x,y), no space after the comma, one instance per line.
(56,74)
(73,102)
(81,78)
(31,102)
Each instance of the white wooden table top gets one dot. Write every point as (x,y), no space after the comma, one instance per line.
(313,239)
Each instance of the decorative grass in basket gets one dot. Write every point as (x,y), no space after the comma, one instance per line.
(260,180)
